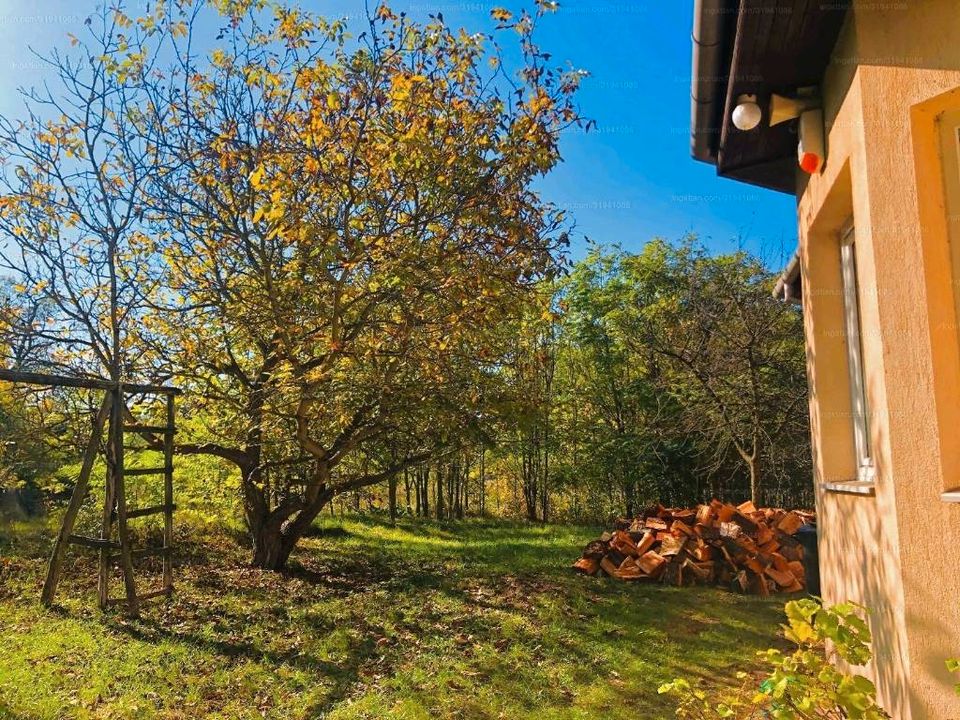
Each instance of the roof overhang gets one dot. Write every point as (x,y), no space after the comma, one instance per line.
(755,47)
(789,286)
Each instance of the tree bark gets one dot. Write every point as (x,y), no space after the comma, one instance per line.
(392,493)
(753,463)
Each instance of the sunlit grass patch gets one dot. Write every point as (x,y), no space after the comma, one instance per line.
(421,620)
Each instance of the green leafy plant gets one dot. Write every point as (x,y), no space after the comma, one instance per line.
(804,684)
(953,665)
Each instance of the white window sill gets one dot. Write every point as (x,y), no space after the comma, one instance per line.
(851,487)
(951,496)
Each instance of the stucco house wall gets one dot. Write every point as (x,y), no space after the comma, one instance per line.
(895,70)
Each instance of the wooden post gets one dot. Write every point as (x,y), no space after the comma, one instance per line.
(168,496)
(76,500)
(116,441)
(106,525)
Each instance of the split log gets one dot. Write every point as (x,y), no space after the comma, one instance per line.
(587,566)
(651,562)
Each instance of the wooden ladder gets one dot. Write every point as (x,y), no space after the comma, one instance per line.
(121,425)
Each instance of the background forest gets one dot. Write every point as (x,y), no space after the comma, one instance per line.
(621,390)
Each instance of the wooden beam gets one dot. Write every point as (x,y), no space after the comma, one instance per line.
(152,510)
(80,490)
(168,494)
(98,543)
(88,383)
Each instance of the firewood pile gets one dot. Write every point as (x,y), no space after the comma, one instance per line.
(747,549)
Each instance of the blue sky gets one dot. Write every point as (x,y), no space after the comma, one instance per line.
(627,181)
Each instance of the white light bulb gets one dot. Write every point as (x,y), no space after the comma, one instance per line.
(747,115)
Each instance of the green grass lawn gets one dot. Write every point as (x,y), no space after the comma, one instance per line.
(474,620)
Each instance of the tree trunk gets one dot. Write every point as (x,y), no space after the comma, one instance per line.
(276,533)
(753,463)
(392,496)
(438,497)
(423,481)
(271,549)
(483,482)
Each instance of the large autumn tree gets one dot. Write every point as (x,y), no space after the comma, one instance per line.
(347,225)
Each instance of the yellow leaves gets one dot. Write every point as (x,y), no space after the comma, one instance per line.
(147,23)
(122,19)
(401,86)
(178,29)
(256,177)
(540,103)
(385,13)
(333,101)
(219,58)
(74,41)
(501,14)
(258,214)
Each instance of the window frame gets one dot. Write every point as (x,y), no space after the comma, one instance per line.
(859,404)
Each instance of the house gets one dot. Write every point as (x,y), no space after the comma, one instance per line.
(876,90)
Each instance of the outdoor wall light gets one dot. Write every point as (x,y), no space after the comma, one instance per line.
(787,108)
(747,114)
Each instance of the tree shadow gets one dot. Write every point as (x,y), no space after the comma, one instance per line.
(341,676)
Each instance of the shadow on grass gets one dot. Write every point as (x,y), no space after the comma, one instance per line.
(341,676)
(481,612)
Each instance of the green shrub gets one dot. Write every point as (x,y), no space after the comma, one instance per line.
(803,684)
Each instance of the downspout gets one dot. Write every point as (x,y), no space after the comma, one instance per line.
(705,85)
(789,277)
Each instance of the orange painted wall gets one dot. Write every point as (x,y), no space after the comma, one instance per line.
(898,551)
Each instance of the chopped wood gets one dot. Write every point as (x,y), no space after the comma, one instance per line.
(655,523)
(783,579)
(749,549)
(703,551)
(790,523)
(672,545)
(780,562)
(651,562)
(747,508)
(608,566)
(595,550)
(764,534)
(587,565)
(796,568)
(622,543)
(745,523)
(672,574)
(646,543)
(726,512)
(730,530)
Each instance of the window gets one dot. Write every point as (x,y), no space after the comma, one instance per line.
(949,128)
(858,393)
